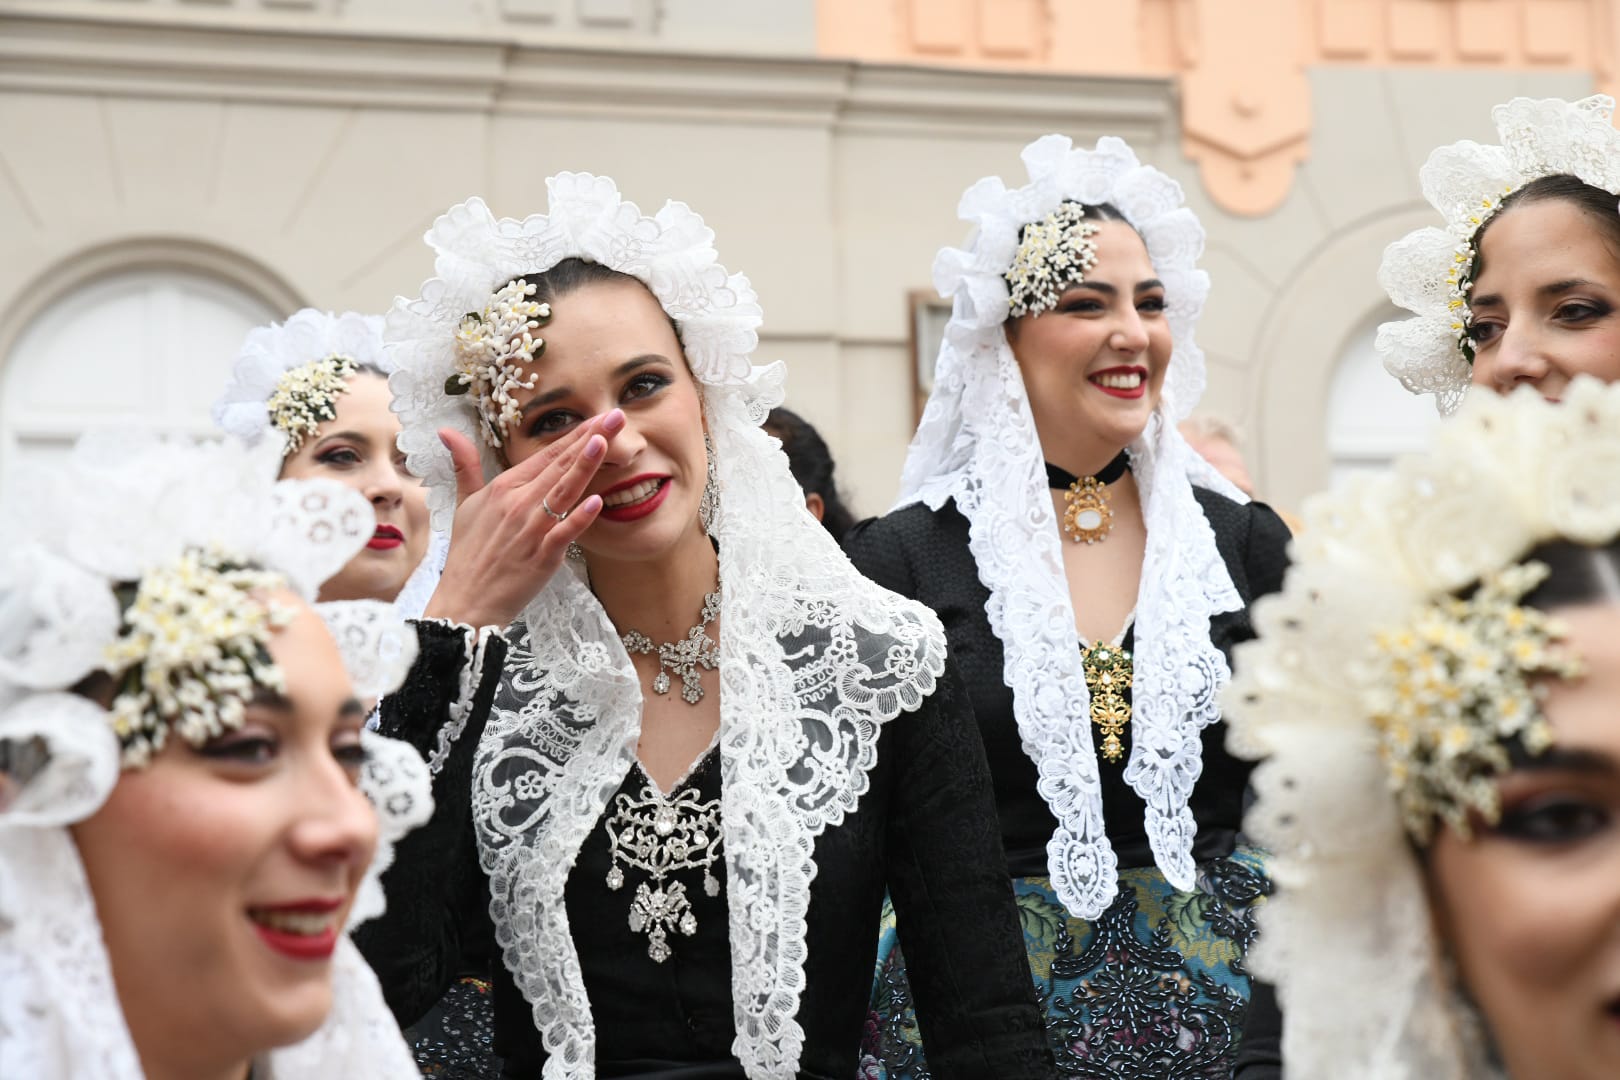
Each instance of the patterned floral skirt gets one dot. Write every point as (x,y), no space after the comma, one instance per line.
(1154,989)
(455,1040)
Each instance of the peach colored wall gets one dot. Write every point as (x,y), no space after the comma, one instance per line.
(1240,64)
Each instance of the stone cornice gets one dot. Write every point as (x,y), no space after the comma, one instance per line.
(346,65)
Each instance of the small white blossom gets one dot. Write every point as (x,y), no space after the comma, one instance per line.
(306,396)
(491,346)
(1460,684)
(1053,254)
(193,648)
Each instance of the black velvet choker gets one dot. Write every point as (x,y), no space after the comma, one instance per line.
(1061,478)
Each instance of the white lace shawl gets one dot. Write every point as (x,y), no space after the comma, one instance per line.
(977,445)
(814,660)
(119,505)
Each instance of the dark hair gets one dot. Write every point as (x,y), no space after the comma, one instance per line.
(812,466)
(575,273)
(1602,206)
(1577,574)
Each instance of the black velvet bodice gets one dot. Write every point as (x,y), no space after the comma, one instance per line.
(924,554)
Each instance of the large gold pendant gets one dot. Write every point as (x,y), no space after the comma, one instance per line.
(1109,674)
(1087,517)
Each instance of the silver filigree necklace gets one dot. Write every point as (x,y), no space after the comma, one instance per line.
(683,657)
(658,835)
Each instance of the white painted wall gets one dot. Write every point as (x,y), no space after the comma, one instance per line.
(299,148)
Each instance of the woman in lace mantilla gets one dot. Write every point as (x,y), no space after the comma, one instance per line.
(1092,576)
(316,386)
(191,814)
(677,768)
(1521,284)
(1431,698)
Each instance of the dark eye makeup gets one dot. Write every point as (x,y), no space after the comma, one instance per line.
(1553,819)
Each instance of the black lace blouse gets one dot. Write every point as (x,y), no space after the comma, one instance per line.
(925,830)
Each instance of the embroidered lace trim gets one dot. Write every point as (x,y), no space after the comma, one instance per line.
(475,645)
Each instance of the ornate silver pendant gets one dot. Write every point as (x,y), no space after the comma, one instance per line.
(659,835)
(685,656)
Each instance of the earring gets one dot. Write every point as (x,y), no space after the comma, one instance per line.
(575,553)
(711,490)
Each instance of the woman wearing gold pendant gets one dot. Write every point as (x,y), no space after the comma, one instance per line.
(1092,574)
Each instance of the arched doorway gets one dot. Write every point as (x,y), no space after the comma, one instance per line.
(145,348)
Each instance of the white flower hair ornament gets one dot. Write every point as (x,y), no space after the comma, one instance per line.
(288,376)
(815,658)
(148,562)
(1390,679)
(1429,271)
(977,446)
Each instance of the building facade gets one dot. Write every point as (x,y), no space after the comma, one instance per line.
(173,172)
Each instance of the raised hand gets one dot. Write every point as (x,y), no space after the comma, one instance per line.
(511,534)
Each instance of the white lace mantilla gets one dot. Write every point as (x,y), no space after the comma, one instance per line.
(977,445)
(1465,181)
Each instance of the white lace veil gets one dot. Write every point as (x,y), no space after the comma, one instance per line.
(1466,182)
(120,506)
(1348,936)
(814,658)
(977,445)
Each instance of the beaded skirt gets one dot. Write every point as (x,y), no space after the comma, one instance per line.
(455,1040)
(1155,988)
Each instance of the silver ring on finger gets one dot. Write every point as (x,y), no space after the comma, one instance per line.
(546,506)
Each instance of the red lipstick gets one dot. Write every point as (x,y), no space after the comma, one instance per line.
(1114,391)
(386,538)
(292,943)
(636,510)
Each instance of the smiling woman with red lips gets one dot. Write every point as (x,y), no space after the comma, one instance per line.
(678,770)
(1092,575)
(318,385)
(186,821)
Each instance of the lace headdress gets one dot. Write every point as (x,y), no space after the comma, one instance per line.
(977,445)
(814,658)
(1379,694)
(147,560)
(1428,271)
(288,376)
